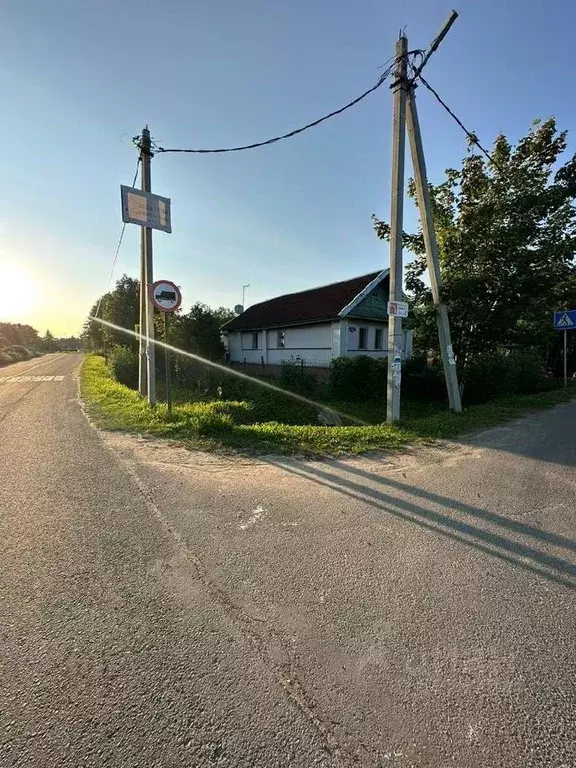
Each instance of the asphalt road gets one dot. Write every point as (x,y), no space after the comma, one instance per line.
(162,608)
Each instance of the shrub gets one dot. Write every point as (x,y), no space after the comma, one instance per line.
(213,423)
(359,378)
(423,382)
(494,374)
(123,363)
(5,358)
(294,376)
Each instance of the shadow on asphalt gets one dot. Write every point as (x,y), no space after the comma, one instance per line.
(453,522)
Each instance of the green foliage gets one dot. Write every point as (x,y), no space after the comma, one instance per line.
(359,378)
(14,353)
(16,333)
(507,237)
(226,425)
(491,375)
(123,362)
(295,376)
(423,382)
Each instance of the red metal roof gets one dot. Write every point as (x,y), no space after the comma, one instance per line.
(314,305)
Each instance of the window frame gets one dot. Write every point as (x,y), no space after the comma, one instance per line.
(363,338)
(378,338)
(255,340)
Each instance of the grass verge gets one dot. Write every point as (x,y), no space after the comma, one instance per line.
(224,425)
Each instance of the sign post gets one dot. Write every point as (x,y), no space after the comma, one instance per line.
(165,296)
(565,321)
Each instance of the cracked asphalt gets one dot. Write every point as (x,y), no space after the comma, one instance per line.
(166,608)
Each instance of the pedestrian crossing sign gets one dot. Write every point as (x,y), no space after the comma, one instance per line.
(565,321)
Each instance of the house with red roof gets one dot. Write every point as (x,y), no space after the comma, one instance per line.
(315,326)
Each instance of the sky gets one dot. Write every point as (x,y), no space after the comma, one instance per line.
(80,78)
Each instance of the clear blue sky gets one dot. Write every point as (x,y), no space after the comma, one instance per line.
(79,78)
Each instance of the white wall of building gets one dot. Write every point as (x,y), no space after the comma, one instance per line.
(317,344)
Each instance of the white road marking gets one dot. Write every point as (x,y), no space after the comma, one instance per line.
(26,379)
(256,515)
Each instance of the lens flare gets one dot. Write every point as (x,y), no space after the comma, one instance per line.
(231,371)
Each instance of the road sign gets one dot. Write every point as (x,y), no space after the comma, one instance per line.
(565,321)
(145,209)
(165,295)
(398,308)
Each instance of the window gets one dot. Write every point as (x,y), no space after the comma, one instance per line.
(362,338)
(378,338)
(255,340)
(281,340)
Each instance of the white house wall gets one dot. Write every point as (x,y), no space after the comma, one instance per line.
(316,344)
(311,343)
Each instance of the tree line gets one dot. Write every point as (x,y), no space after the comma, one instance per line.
(506,231)
(196,331)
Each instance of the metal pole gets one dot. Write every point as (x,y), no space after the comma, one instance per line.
(431,245)
(167,365)
(145,147)
(565,358)
(244,294)
(397,208)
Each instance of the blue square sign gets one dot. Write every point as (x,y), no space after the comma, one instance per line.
(565,321)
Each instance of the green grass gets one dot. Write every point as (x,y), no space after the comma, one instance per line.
(242,426)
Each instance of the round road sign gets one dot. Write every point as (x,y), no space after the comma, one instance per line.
(166,295)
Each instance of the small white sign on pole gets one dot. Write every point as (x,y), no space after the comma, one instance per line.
(398,308)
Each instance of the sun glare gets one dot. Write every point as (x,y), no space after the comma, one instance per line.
(18,292)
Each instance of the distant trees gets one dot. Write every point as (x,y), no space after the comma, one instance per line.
(197,330)
(507,238)
(16,333)
(17,342)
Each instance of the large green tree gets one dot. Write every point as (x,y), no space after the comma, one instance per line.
(120,308)
(506,232)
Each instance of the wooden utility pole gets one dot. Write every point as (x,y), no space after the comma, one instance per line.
(146,280)
(395,338)
(431,246)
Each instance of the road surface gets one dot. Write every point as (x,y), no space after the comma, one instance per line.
(164,608)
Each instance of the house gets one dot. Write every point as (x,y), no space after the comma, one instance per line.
(315,326)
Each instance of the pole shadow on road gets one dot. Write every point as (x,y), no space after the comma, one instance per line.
(524,556)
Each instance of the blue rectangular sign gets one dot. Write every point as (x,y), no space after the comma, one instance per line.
(565,321)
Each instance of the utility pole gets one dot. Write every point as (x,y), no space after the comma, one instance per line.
(146,272)
(431,246)
(395,339)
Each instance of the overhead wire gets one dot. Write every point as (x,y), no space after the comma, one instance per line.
(119,244)
(470,134)
(381,80)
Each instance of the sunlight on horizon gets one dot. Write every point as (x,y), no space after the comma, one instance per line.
(19,294)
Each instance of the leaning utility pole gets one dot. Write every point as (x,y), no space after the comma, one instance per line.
(404,93)
(431,247)
(395,339)
(147,353)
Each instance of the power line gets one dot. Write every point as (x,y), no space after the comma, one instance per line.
(471,135)
(119,245)
(383,77)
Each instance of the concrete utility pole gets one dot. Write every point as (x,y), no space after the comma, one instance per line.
(431,245)
(147,278)
(395,339)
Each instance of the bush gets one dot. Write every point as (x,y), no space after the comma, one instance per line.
(123,363)
(358,379)
(493,374)
(423,382)
(294,376)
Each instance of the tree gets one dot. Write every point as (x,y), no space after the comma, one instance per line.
(198,331)
(120,307)
(17,333)
(506,233)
